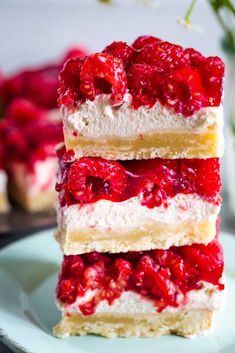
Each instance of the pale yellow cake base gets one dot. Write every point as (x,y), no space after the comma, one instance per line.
(4,205)
(146,237)
(163,144)
(184,323)
(41,201)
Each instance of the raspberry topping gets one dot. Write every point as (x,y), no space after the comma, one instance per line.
(154,181)
(164,56)
(162,276)
(152,71)
(103,73)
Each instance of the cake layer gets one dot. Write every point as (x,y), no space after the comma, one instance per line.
(33,189)
(157,236)
(184,323)
(108,226)
(98,129)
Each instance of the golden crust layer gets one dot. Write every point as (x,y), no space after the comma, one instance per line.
(163,144)
(184,323)
(146,237)
(32,202)
(4,205)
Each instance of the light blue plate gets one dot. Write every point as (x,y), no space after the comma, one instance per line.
(28,272)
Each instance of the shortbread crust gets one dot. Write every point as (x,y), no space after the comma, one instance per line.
(159,144)
(146,237)
(184,323)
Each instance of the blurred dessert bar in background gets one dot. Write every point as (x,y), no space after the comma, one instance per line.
(30,129)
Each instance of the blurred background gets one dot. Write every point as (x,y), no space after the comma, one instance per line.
(36,36)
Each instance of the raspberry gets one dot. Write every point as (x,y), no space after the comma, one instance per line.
(153,195)
(208,178)
(91,179)
(67,292)
(23,111)
(183,91)
(143,83)
(102,73)
(195,57)
(164,56)
(121,51)
(212,70)
(94,275)
(41,86)
(142,41)
(70,82)
(206,259)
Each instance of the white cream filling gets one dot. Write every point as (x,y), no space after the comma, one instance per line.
(3,181)
(42,178)
(98,119)
(130,302)
(130,214)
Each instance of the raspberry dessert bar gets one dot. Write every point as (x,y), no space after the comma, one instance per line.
(141,293)
(30,129)
(30,136)
(111,206)
(153,99)
(138,191)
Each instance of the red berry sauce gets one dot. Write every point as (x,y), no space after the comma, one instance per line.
(90,179)
(163,276)
(151,70)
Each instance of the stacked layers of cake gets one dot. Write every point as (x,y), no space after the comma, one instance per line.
(138,191)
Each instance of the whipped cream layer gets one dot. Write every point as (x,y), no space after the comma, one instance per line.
(41,178)
(129,214)
(3,181)
(98,119)
(130,302)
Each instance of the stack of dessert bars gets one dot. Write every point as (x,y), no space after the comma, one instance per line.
(138,191)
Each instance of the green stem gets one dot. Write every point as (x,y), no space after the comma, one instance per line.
(189,12)
(216,6)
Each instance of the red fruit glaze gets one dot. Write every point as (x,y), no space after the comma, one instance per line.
(153,71)
(90,179)
(163,276)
